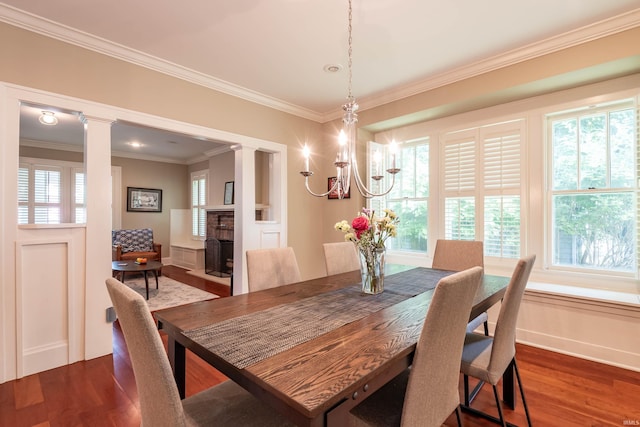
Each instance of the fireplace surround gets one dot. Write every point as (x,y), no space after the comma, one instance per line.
(218,253)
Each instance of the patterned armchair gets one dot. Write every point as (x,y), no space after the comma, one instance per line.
(131,244)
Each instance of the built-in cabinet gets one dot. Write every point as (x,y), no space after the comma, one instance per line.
(188,255)
(184,251)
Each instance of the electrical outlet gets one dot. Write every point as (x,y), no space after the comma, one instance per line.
(111,315)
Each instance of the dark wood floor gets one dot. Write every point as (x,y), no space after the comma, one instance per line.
(561,390)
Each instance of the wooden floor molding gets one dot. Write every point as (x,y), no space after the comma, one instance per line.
(561,390)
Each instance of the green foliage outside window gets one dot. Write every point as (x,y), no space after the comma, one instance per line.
(593,181)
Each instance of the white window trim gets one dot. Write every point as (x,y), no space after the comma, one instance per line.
(67,196)
(567,110)
(198,175)
(533,209)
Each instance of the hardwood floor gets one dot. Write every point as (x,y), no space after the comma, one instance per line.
(561,390)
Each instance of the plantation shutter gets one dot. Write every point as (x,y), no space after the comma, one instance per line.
(198,203)
(79,203)
(501,186)
(459,182)
(23,194)
(47,190)
(637,124)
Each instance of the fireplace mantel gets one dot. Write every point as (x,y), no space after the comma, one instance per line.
(218,208)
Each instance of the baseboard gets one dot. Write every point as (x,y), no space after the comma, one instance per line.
(596,353)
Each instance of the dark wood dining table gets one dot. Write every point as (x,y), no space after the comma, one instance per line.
(314,349)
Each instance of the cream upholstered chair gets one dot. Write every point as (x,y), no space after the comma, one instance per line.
(427,394)
(340,257)
(269,268)
(458,255)
(487,358)
(226,404)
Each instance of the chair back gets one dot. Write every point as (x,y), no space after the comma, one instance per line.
(458,255)
(269,268)
(160,403)
(340,257)
(504,337)
(432,391)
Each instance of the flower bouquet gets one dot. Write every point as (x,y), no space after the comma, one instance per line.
(369,233)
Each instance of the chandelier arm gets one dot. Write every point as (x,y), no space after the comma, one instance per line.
(364,190)
(368,193)
(334,188)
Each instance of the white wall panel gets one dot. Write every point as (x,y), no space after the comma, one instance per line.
(44,290)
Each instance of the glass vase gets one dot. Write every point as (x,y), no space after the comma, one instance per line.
(372,269)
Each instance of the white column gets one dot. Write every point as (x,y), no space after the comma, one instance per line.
(97,160)
(244,214)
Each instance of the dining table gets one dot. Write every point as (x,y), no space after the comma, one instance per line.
(315,349)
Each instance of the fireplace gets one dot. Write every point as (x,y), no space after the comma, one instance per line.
(218,257)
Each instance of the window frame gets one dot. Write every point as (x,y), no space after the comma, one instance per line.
(534,204)
(469,145)
(201,222)
(67,204)
(583,109)
(380,203)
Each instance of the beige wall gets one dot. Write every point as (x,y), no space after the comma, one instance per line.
(172,179)
(221,170)
(36,61)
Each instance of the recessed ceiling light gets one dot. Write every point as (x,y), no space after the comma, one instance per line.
(48,118)
(332,68)
(135,144)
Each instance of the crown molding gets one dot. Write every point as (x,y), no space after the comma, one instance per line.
(67,34)
(607,27)
(48,145)
(51,145)
(48,28)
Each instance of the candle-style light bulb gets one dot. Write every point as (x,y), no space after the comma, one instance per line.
(342,138)
(377,160)
(393,147)
(306,153)
(342,142)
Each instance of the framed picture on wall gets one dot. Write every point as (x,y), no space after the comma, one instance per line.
(144,200)
(334,194)
(228,193)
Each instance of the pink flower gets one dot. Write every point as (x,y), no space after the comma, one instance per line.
(360,224)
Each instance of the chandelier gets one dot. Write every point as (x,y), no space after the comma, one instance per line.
(346,160)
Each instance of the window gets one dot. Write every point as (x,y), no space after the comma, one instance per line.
(198,202)
(409,196)
(593,188)
(50,192)
(79,203)
(482,186)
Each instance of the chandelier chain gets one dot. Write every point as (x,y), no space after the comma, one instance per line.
(346,162)
(350,63)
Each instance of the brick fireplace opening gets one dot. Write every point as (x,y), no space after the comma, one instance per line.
(218,257)
(218,253)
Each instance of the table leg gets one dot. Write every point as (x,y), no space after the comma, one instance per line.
(146,283)
(177,359)
(155,273)
(508,387)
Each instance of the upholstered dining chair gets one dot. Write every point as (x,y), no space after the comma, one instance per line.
(226,404)
(427,394)
(269,268)
(487,358)
(458,255)
(340,257)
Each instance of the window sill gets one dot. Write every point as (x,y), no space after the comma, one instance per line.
(44,226)
(622,303)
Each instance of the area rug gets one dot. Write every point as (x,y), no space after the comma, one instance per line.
(171,293)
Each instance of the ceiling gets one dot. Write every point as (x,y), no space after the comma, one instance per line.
(275,53)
